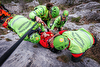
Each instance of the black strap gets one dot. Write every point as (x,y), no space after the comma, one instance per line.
(4,8)
(48,43)
(34,31)
(9,52)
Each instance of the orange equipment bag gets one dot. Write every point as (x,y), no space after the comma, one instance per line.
(5,24)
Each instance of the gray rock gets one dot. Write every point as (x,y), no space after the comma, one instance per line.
(67,2)
(92,27)
(88,6)
(91,11)
(28,56)
(58,2)
(14,7)
(90,63)
(33,3)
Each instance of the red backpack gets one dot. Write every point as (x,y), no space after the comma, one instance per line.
(44,40)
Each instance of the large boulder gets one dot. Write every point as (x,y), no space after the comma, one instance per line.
(14,7)
(68,2)
(20,7)
(33,3)
(89,6)
(58,2)
(91,11)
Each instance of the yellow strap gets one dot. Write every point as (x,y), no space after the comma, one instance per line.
(80,49)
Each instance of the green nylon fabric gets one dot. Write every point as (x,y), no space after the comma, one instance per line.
(21,25)
(80,40)
(58,23)
(42,12)
(0,3)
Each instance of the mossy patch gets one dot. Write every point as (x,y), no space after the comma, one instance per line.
(61,7)
(7,39)
(28,1)
(76,19)
(2,37)
(63,58)
(35,46)
(3,31)
(74,30)
(65,28)
(41,2)
(30,8)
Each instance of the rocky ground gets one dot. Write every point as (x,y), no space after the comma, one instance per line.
(34,55)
